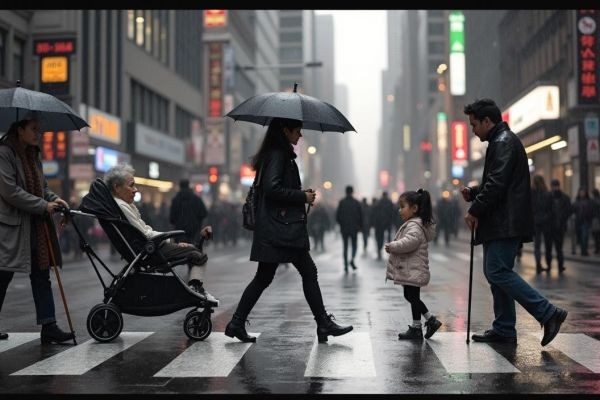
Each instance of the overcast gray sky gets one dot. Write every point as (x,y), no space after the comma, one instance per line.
(360,56)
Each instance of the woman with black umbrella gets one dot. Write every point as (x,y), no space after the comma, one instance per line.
(281,235)
(27,235)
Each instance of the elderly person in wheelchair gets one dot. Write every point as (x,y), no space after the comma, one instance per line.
(120,180)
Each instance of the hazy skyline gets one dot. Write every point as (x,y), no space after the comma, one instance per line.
(360,38)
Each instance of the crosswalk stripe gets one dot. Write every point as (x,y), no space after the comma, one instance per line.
(438,257)
(217,355)
(16,339)
(458,357)
(579,347)
(242,259)
(80,359)
(350,355)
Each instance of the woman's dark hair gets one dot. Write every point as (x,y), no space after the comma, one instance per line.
(484,108)
(421,199)
(274,138)
(14,128)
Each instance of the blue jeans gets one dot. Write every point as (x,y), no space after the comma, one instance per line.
(507,286)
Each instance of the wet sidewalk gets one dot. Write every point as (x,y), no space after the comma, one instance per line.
(570,252)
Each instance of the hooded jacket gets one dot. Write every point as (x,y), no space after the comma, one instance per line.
(408,263)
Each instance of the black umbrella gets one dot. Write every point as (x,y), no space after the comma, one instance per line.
(315,114)
(19,103)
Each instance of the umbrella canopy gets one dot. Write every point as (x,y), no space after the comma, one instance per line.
(314,113)
(19,103)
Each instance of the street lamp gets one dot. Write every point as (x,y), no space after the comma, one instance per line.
(311,64)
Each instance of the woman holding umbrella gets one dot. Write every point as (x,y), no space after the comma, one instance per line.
(28,239)
(281,235)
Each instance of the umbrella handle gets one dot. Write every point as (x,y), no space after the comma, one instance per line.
(62,293)
(470,282)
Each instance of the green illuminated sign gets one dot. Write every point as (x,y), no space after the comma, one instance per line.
(457,32)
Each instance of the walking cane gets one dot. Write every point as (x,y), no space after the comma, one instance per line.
(62,293)
(470,283)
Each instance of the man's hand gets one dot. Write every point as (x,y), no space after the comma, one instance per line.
(466,193)
(310,196)
(386,247)
(471,221)
(206,232)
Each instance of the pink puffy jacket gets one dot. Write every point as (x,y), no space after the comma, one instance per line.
(408,263)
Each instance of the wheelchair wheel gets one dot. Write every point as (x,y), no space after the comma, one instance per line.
(104,322)
(196,326)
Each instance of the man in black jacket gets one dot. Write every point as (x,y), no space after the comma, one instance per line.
(349,216)
(502,217)
(187,212)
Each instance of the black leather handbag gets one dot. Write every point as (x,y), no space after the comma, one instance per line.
(249,207)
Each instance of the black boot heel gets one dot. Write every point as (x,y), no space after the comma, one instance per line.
(326,327)
(322,338)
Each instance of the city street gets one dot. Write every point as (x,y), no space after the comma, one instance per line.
(154,356)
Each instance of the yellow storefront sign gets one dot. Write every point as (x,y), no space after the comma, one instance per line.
(55,69)
(104,127)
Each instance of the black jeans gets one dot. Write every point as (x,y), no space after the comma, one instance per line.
(352,237)
(412,295)
(541,232)
(558,237)
(264,276)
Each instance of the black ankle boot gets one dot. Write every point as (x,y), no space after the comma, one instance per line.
(411,334)
(326,327)
(235,328)
(3,336)
(51,333)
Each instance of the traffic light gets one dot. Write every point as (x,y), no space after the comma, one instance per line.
(213,175)
(426,148)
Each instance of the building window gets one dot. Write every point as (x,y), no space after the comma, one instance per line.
(291,37)
(183,123)
(149,108)
(435,28)
(163,35)
(2,52)
(18,59)
(148,31)
(130,24)
(290,54)
(436,47)
(139,27)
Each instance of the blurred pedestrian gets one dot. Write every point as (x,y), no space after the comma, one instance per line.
(561,211)
(541,204)
(27,232)
(383,216)
(281,235)
(187,212)
(583,210)
(318,224)
(595,227)
(349,216)
(408,262)
(366,224)
(502,217)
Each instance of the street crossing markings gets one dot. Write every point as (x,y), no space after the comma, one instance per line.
(217,355)
(80,359)
(350,355)
(438,257)
(458,357)
(580,348)
(16,339)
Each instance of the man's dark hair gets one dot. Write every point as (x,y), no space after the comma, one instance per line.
(554,182)
(484,108)
(349,189)
(184,184)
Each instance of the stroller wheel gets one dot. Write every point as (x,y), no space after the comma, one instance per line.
(104,322)
(196,326)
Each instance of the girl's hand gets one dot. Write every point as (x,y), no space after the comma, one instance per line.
(387,248)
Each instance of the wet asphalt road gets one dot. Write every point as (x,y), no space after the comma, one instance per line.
(154,356)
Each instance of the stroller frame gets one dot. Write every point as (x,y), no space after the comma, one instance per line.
(142,286)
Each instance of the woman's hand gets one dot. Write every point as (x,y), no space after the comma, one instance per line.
(51,206)
(183,244)
(386,247)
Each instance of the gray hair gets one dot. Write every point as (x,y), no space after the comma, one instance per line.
(117,175)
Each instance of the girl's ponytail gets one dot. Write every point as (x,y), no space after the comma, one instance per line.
(425,208)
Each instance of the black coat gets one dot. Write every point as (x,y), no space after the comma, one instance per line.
(502,202)
(281,233)
(561,211)
(349,216)
(187,212)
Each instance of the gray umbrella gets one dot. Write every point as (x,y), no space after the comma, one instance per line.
(314,113)
(19,103)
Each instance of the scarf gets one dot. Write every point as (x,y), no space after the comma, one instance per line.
(33,185)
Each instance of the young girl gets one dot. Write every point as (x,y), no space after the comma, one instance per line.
(408,263)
